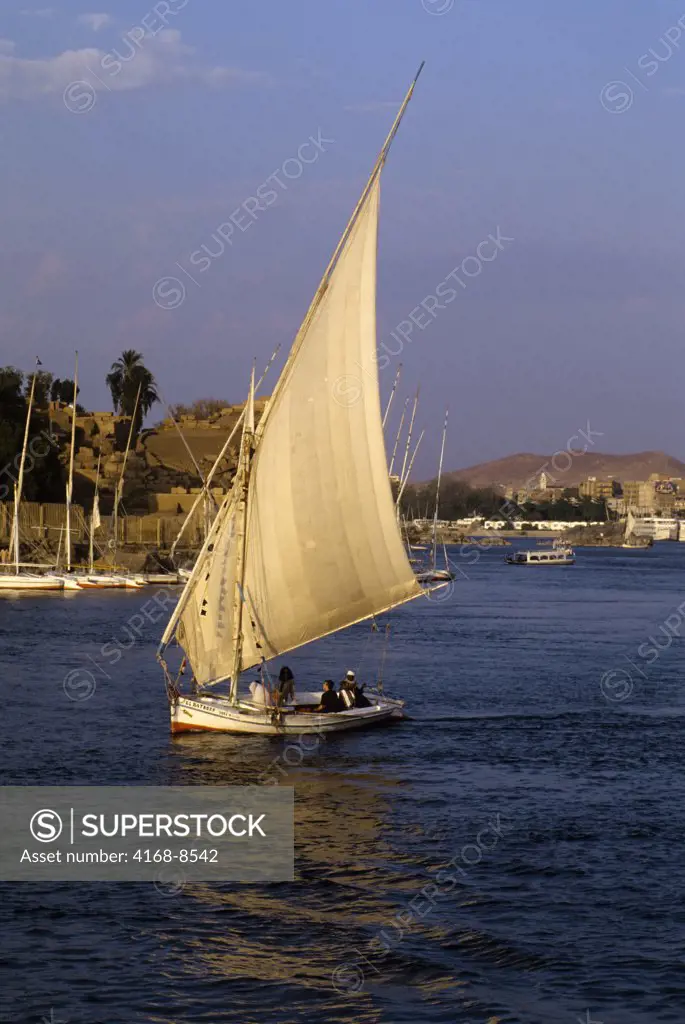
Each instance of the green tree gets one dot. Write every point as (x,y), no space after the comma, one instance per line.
(12,401)
(63,391)
(12,416)
(42,389)
(42,471)
(127,375)
(457,500)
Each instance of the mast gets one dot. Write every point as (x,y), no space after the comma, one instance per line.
(411,427)
(70,482)
(220,456)
(323,287)
(403,484)
(392,393)
(119,489)
(207,482)
(246,452)
(204,493)
(93,524)
(59,547)
(18,486)
(184,441)
(397,439)
(437,493)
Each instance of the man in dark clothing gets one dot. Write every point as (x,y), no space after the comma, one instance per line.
(360,701)
(329,698)
(351,694)
(346,690)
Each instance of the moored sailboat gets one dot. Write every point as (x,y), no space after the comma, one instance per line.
(307,542)
(21,580)
(631,539)
(111,580)
(70,581)
(434,574)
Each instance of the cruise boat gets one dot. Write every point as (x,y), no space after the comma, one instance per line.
(656,528)
(557,556)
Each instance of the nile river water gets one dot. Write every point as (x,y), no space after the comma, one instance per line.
(543,764)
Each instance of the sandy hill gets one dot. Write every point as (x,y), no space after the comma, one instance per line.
(518,470)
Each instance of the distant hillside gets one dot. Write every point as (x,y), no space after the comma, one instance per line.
(518,470)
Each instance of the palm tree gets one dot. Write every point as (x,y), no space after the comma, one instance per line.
(127,375)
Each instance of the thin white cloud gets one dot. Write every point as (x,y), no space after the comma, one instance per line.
(7,46)
(95,21)
(41,12)
(153,60)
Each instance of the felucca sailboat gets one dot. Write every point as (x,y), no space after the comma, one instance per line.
(307,542)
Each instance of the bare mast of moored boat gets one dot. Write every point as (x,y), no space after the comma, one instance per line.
(70,480)
(437,498)
(19,484)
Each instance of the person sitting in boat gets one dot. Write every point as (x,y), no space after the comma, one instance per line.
(285,691)
(329,698)
(346,689)
(360,701)
(351,694)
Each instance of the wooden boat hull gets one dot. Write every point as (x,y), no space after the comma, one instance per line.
(209,714)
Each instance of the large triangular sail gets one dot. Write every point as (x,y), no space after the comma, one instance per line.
(308,538)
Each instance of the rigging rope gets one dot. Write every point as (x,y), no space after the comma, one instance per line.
(365,648)
(384,654)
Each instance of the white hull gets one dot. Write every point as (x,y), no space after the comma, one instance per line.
(560,556)
(557,561)
(216,714)
(24,581)
(69,582)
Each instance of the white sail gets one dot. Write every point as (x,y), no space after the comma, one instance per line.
(630,525)
(323,549)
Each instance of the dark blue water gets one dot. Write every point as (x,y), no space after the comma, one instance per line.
(544,764)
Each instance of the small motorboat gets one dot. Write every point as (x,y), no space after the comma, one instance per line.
(434,576)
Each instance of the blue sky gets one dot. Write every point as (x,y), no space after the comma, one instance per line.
(515,127)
